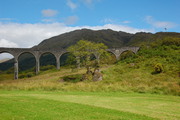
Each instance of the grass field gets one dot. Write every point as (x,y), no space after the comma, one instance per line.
(116,78)
(41,105)
(130,90)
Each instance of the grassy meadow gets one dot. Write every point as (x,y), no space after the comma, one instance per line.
(145,86)
(35,105)
(121,77)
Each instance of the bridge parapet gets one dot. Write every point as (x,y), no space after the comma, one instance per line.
(118,51)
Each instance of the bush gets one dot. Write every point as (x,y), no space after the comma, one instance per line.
(26,75)
(127,54)
(158,68)
(22,76)
(171,41)
(30,75)
(72,78)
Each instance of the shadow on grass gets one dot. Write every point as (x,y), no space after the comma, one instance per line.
(72,78)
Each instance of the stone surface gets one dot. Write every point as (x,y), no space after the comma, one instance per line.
(97,75)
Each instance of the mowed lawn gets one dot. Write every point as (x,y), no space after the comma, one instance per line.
(41,105)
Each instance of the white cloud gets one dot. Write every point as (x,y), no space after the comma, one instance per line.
(71,4)
(159,24)
(71,20)
(118,28)
(5,56)
(28,35)
(49,13)
(6,43)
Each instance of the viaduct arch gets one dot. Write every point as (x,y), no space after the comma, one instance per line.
(37,53)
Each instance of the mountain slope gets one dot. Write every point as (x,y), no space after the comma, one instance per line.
(112,39)
(108,37)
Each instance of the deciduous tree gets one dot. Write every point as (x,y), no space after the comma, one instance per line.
(83,50)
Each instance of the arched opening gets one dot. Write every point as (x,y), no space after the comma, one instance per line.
(26,65)
(108,58)
(6,66)
(47,61)
(127,55)
(67,59)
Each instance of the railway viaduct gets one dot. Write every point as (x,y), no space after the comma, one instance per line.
(37,53)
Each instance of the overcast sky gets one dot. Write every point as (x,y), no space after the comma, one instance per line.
(25,23)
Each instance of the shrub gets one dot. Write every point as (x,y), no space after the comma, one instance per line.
(126,55)
(72,78)
(22,76)
(171,41)
(158,68)
(26,75)
(30,75)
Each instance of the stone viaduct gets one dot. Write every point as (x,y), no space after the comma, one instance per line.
(37,53)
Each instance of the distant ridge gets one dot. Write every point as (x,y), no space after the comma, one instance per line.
(4,60)
(108,37)
(112,39)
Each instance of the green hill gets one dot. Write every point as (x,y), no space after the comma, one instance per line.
(109,37)
(154,69)
(139,86)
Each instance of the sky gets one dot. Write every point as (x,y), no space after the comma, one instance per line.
(25,23)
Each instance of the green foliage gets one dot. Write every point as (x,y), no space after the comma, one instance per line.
(71,60)
(158,68)
(171,41)
(26,75)
(128,57)
(47,67)
(166,41)
(126,54)
(107,58)
(83,50)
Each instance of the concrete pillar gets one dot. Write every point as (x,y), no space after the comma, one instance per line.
(117,57)
(57,63)
(16,69)
(37,66)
